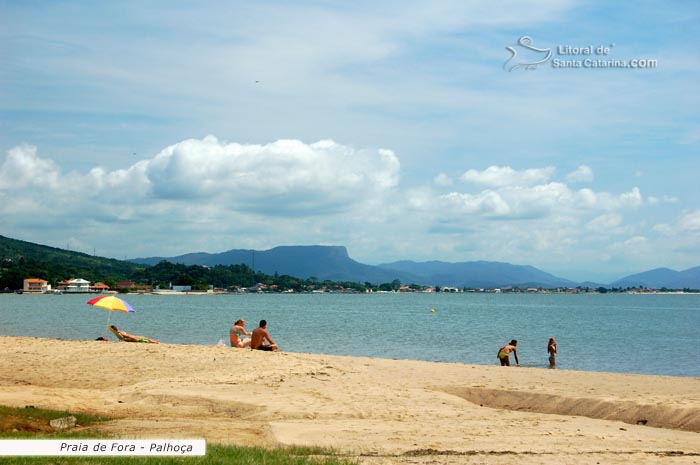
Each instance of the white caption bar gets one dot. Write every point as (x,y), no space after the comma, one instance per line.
(44,447)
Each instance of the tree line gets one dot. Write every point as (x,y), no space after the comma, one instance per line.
(13,272)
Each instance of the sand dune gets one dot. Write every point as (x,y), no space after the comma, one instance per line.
(382,411)
(629,411)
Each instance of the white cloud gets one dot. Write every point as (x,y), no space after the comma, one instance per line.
(283,176)
(582,174)
(489,203)
(604,223)
(632,198)
(501,176)
(23,167)
(633,245)
(653,200)
(206,194)
(690,222)
(419,199)
(586,198)
(540,201)
(443,180)
(684,232)
(277,178)
(423,78)
(663,229)
(669,199)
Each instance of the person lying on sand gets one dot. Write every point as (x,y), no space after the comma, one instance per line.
(124,336)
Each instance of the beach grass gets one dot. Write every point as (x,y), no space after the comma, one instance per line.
(33,423)
(216,455)
(30,422)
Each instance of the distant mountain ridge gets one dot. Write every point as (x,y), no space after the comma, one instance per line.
(322,262)
(333,263)
(660,278)
(479,274)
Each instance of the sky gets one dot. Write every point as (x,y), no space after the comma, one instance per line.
(562,134)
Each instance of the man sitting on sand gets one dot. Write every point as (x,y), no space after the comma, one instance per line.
(124,336)
(504,353)
(260,335)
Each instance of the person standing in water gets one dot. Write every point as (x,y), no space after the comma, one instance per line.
(504,353)
(552,351)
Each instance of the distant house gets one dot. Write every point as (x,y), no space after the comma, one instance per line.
(450,289)
(78,285)
(125,284)
(259,287)
(99,287)
(36,285)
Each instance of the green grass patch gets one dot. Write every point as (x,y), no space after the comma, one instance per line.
(216,455)
(27,422)
(33,423)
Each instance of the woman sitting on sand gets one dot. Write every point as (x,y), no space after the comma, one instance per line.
(124,336)
(236,335)
(504,353)
(552,350)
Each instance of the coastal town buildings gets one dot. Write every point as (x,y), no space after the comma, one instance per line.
(36,285)
(77,285)
(99,287)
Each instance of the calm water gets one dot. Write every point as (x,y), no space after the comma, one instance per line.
(654,334)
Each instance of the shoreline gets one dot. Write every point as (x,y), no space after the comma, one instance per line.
(382,410)
(169,292)
(534,366)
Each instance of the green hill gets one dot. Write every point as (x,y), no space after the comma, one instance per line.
(20,260)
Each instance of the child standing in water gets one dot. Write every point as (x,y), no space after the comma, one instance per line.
(552,350)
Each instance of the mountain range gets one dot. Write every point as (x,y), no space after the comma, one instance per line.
(333,263)
(660,278)
(326,263)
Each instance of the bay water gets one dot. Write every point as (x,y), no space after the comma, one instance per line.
(627,333)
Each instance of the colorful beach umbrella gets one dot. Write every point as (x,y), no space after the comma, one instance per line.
(111,303)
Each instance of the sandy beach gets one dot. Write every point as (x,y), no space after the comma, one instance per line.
(383,411)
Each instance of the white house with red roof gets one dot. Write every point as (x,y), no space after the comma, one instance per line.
(36,285)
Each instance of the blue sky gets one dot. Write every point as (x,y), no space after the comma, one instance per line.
(392,128)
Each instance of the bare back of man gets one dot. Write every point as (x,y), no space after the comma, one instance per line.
(259,336)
